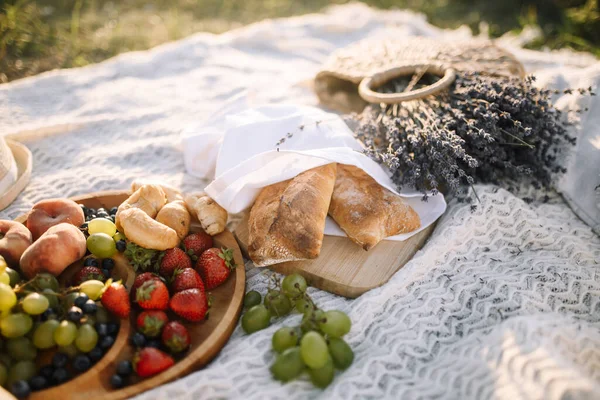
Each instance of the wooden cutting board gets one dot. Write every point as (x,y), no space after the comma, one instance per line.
(343,267)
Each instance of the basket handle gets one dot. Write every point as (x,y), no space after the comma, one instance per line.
(365,88)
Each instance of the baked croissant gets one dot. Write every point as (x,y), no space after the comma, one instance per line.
(212,216)
(171,192)
(136,218)
(148,198)
(174,214)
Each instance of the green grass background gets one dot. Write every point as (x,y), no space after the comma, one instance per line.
(37,36)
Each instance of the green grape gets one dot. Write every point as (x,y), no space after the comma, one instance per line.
(14,276)
(341,353)
(5,278)
(43,337)
(70,350)
(303,306)
(3,374)
(277,303)
(102,225)
(46,281)
(3,264)
(65,333)
(86,338)
(89,319)
(322,377)
(284,338)
(118,236)
(102,316)
(8,298)
(21,349)
(310,321)
(313,348)
(293,285)
(92,288)
(15,325)
(22,370)
(252,298)
(35,304)
(101,245)
(52,297)
(256,318)
(288,365)
(335,324)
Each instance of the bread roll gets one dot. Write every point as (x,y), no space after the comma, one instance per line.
(367,211)
(287,220)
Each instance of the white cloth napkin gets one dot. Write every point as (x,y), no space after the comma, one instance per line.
(243,153)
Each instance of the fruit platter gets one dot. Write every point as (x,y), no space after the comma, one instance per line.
(114,293)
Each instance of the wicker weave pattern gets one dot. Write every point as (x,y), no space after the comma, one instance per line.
(336,84)
(7,162)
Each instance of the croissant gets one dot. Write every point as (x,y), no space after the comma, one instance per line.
(145,231)
(148,198)
(212,216)
(176,216)
(136,217)
(171,192)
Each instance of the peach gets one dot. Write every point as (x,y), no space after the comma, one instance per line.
(51,212)
(15,238)
(55,250)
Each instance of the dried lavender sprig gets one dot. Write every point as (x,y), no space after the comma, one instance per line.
(484,129)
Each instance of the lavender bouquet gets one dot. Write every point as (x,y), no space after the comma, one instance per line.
(484,129)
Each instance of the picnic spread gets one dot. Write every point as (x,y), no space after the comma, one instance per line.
(489,294)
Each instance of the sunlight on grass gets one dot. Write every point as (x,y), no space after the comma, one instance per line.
(36,36)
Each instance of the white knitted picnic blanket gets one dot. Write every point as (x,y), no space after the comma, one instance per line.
(502,302)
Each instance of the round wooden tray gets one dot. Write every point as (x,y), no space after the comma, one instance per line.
(208,337)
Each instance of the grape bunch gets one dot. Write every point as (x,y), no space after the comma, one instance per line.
(315,346)
(103,240)
(37,316)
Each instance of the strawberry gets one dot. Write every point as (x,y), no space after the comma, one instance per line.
(176,337)
(195,244)
(214,266)
(152,295)
(186,279)
(151,322)
(173,259)
(190,304)
(115,299)
(140,279)
(150,361)
(87,274)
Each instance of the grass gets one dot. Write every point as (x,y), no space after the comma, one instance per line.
(37,36)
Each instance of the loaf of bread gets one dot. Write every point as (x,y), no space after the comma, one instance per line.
(287,220)
(367,211)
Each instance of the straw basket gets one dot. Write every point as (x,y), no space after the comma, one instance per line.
(348,80)
(15,170)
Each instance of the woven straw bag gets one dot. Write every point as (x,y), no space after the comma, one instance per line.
(348,79)
(15,170)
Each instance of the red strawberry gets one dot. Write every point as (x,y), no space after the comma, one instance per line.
(152,295)
(173,259)
(87,274)
(151,322)
(190,304)
(115,299)
(195,244)
(186,279)
(176,337)
(150,361)
(214,266)
(140,279)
